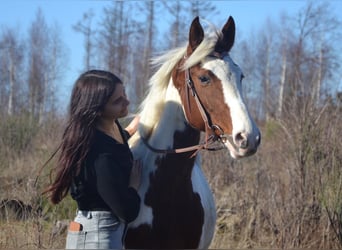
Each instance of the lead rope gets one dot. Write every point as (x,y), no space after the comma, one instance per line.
(195,148)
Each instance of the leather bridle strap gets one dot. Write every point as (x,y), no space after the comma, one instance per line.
(209,127)
(195,148)
(190,85)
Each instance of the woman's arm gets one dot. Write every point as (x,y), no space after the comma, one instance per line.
(133,126)
(123,200)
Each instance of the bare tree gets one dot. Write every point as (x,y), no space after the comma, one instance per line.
(282,80)
(46,57)
(113,37)
(150,21)
(85,28)
(266,66)
(314,33)
(149,9)
(202,8)
(38,41)
(176,29)
(57,60)
(11,56)
(125,44)
(282,83)
(308,66)
(182,14)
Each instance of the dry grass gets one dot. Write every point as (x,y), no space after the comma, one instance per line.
(288,195)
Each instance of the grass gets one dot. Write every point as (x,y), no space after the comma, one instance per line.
(288,195)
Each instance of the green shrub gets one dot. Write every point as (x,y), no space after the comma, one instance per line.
(272,127)
(17,133)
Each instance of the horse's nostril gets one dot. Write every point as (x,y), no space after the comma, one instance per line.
(241,140)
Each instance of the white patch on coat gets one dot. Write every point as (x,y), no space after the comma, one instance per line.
(162,138)
(230,75)
(201,186)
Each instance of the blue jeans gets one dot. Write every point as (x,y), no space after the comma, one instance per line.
(101,230)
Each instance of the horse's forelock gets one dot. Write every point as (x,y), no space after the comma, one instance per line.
(205,48)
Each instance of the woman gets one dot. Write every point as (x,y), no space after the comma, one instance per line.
(96,164)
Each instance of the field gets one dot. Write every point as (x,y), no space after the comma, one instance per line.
(288,195)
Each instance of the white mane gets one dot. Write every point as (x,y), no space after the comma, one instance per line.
(152,106)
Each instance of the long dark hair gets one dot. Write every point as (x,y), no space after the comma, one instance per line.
(91,92)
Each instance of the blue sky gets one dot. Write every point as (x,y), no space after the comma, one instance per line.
(248,15)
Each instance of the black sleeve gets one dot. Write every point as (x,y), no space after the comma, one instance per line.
(127,135)
(112,187)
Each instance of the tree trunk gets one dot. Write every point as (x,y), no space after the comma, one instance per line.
(282,84)
(11,89)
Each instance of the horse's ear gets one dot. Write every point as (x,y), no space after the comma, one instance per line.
(227,40)
(196,34)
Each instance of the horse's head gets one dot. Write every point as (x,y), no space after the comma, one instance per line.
(208,74)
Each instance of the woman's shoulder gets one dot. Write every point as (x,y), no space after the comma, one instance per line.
(102,141)
(106,145)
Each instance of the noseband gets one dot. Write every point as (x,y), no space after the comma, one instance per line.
(213,132)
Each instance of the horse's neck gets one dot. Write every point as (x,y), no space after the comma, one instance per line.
(172,129)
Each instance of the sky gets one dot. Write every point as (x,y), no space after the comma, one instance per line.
(248,15)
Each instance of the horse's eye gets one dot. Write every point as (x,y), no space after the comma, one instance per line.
(204,79)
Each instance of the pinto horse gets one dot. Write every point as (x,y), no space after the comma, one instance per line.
(196,88)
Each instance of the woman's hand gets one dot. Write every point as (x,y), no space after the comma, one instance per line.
(133,126)
(135,177)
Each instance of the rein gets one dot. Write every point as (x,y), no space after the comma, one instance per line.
(204,145)
(218,134)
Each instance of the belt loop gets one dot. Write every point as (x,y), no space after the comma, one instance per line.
(89,215)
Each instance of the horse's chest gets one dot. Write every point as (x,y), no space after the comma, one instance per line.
(176,205)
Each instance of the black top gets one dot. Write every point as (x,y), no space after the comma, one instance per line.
(102,184)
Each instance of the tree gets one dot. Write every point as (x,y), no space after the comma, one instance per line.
(266,66)
(11,59)
(57,61)
(311,52)
(182,14)
(46,57)
(179,22)
(149,10)
(124,43)
(202,8)
(38,41)
(113,38)
(282,79)
(85,28)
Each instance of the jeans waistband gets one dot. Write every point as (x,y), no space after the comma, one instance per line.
(96,214)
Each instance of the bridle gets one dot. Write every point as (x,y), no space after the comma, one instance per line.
(213,133)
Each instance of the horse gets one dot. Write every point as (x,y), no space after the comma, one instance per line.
(195,91)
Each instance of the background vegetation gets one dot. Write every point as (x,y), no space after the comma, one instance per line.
(286,196)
